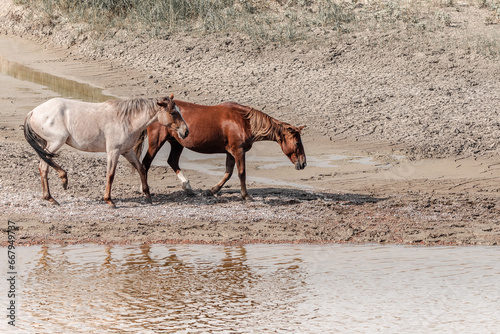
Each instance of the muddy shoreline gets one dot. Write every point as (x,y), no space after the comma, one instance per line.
(277,214)
(402,151)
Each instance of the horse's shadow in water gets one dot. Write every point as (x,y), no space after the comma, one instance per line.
(269,196)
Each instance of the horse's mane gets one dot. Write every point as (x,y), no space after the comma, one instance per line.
(263,126)
(129,109)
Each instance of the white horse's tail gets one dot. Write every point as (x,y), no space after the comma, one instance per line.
(38,143)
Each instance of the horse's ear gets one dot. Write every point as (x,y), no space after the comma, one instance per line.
(295,129)
(163,102)
(172,96)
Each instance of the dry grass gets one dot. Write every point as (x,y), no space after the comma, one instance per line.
(262,20)
(281,21)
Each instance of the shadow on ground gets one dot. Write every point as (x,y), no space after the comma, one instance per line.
(268,196)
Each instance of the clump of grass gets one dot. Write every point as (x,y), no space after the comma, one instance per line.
(335,15)
(494,7)
(489,47)
(444,17)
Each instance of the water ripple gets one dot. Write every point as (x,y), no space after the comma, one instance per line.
(257,289)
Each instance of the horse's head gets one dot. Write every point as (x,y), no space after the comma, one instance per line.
(291,145)
(170,116)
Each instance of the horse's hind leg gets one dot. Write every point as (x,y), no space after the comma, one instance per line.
(54,147)
(229,172)
(44,172)
(62,174)
(240,164)
(132,158)
(173,161)
(64,177)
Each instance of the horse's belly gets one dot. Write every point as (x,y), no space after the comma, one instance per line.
(94,144)
(204,146)
(209,150)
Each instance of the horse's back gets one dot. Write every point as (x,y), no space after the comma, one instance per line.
(61,106)
(215,113)
(215,116)
(53,106)
(79,124)
(212,127)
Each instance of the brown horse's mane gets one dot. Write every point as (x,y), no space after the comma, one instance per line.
(131,108)
(263,126)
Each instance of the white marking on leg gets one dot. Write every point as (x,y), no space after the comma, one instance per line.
(184,181)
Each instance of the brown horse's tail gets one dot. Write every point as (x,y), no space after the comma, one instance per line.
(138,145)
(38,143)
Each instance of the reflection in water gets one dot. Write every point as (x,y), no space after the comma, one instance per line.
(257,289)
(62,86)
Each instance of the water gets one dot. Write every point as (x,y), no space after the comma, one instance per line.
(214,164)
(62,86)
(256,289)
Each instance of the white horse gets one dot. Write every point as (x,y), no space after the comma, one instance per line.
(112,127)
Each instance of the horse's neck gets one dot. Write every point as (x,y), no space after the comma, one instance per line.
(144,120)
(267,129)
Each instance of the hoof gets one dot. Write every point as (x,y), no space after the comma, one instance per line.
(149,200)
(65,184)
(190,193)
(112,205)
(187,188)
(247,198)
(53,201)
(208,193)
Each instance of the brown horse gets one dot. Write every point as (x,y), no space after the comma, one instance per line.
(225,128)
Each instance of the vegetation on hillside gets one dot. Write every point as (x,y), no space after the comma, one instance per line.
(263,20)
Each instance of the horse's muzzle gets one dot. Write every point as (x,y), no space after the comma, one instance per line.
(299,165)
(183,133)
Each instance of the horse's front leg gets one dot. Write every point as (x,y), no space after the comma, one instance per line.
(173,161)
(229,172)
(113,156)
(240,165)
(157,136)
(132,158)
